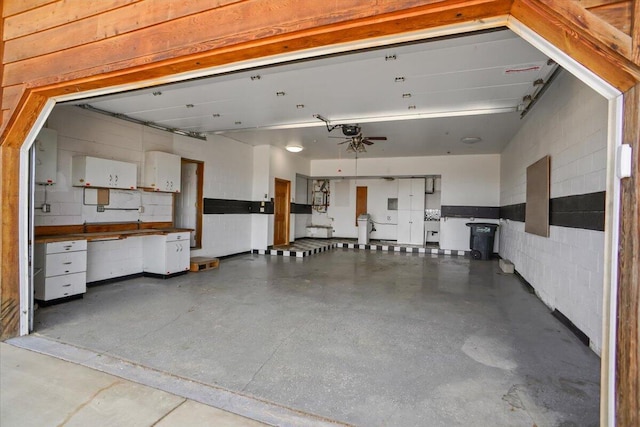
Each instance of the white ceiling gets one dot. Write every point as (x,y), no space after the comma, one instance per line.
(464,84)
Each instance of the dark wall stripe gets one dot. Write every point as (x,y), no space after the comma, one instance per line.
(226,206)
(297,208)
(513,212)
(586,211)
(488,212)
(579,211)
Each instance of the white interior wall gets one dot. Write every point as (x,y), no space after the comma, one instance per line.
(228,166)
(341,215)
(261,225)
(570,124)
(286,165)
(465,180)
(227,174)
(302,197)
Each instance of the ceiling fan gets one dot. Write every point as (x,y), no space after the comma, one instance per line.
(353,136)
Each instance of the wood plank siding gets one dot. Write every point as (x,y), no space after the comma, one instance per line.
(56,47)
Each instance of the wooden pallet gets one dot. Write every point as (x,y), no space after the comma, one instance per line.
(200,263)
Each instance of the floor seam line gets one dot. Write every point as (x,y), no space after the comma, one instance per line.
(269,358)
(184,400)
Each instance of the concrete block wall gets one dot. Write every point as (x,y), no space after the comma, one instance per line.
(228,167)
(228,174)
(82,132)
(569,123)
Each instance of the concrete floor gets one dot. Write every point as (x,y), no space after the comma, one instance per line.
(40,390)
(360,337)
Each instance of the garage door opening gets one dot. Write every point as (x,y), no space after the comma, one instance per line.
(473,344)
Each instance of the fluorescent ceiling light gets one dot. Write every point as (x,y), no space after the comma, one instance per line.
(376,119)
(294,148)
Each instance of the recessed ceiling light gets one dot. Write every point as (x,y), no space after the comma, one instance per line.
(300,106)
(471,139)
(157,93)
(189,105)
(294,148)
(280,93)
(256,77)
(390,58)
(399,79)
(406,95)
(412,107)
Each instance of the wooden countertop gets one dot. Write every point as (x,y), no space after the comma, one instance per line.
(109,235)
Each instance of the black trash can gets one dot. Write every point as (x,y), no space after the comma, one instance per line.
(481,241)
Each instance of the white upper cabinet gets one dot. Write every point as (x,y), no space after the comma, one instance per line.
(162,171)
(46,156)
(89,171)
(411,194)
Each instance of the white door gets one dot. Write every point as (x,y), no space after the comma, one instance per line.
(187,199)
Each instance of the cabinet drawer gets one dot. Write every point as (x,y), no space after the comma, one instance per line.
(61,286)
(172,237)
(66,263)
(68,246)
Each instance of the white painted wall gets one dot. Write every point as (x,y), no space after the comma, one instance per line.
(465,180)
(341,216)
(228,166)
(570,124)
(227,174)
(286,165)
(303,197)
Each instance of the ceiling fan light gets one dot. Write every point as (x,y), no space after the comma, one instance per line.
(293,148)
(350,149)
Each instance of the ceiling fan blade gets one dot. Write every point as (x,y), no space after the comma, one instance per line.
(376,138)
(344,142)
(336,137)
(366,141)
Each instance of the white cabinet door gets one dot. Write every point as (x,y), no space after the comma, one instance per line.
(162,171)
(417,228)
(46,148)
(410,227)
(411,194)
(177,256)
(417,194)
(103,173)
(404,194)
(411,211)
(167,254)
(404,226)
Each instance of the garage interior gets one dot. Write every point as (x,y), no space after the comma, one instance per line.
(358,336)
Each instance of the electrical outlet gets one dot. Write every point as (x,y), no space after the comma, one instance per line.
(100,208)
(46,207)
(141,209)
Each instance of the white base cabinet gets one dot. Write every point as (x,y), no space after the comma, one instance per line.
(61,269)
(167,254)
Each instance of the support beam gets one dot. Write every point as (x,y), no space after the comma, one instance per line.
(635,31)
(597,51)
(628,328)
